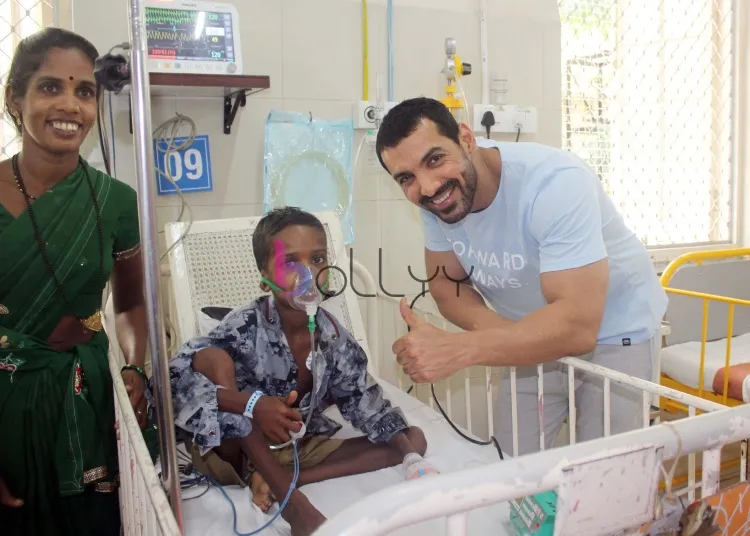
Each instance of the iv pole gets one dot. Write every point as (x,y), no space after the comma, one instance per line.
(144,165)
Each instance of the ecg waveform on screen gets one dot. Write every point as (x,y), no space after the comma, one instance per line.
(170,36)
(171,16)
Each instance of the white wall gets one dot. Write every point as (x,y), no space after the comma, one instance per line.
(312,52)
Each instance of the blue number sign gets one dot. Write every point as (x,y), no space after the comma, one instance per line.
(190,168)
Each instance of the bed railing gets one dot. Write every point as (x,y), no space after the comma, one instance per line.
(453,496)
(144,507)
(699,258)
(468,397)
(468,400)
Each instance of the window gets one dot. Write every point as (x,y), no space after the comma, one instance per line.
(18,19)
(648,102)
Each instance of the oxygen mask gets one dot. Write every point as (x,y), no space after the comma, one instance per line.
(305,293)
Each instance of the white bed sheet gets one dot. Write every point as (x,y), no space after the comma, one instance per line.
(681,362)
(211,514)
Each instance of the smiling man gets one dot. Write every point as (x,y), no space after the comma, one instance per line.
(530,230)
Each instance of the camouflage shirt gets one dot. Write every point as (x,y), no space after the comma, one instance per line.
(253,337)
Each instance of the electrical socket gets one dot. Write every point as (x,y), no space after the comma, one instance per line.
(508,118)
(364,113)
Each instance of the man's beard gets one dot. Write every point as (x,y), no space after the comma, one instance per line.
(459,209)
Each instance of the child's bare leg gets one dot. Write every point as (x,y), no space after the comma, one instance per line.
(230,451)
(355,456)
(218,367)
(303,517)
(359,455)
(262,496)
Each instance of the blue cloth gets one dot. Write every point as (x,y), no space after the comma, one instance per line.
(551,213)
(253,338)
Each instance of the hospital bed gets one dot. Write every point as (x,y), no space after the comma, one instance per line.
(707,352)
(212,265)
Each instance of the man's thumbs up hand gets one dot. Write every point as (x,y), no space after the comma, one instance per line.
(409,316)
(427,354)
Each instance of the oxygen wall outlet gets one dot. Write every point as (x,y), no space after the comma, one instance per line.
(507,118)
(365,112)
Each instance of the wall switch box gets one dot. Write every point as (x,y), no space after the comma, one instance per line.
(364,113)
(508,118)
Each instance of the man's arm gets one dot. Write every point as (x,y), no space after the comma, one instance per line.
(456,298)
(568,326)
(566,223)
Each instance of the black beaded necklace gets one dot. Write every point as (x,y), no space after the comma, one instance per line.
(40,240)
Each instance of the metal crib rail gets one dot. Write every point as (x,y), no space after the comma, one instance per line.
(692,403)
(453,496)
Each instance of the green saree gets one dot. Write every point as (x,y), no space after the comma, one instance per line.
(57,440)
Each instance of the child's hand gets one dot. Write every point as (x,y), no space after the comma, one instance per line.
(275,417)
(416,467)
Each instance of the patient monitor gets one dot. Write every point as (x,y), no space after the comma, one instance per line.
(193,37)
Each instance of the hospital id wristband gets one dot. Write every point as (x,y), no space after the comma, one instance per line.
(250,406)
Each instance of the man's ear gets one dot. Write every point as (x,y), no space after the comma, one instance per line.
(466,137)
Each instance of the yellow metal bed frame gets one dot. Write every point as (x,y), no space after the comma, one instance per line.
(698,257)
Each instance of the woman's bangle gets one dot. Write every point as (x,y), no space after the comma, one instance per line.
(136,368)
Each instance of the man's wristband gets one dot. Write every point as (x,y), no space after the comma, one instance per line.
(251,403)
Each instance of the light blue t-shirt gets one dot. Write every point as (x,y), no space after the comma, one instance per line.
(552,213)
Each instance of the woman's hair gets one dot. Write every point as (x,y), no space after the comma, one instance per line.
(30,55)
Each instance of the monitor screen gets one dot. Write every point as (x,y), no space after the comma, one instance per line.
(183,34)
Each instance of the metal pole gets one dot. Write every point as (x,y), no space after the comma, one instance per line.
(141,103)
(485,52)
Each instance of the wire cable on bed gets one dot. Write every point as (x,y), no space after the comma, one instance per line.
(292,487)
(190,478)
(492,440)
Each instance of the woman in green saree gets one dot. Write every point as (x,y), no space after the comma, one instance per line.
(65,229)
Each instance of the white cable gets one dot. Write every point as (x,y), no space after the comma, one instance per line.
(466,102)
(168,131)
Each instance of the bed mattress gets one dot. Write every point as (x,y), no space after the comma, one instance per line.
(681,362)
(448,452)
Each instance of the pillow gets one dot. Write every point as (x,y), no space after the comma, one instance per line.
(209,318)
(216,313)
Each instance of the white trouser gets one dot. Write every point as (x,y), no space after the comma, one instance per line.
(626,404)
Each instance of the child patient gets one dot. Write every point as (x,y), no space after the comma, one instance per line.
(242,387)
